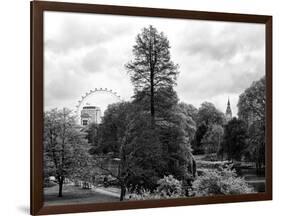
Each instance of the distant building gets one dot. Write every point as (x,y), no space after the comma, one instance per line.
(228,113)
(90,114)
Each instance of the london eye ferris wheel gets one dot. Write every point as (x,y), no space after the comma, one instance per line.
(99,98)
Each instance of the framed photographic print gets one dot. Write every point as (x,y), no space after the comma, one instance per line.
(142,107)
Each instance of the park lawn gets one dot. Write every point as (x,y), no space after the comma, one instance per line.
(75,195)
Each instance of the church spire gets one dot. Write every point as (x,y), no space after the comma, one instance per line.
(228,113)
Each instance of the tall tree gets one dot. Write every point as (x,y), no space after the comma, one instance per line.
(112,128)
(251,104)
(196,142)
(189,110)
(256,142)
(166,104)
(64,145)
(186,119)
(92,131)
(145,154)
(212,139)
(126,134)
(152,68)
(208,114)
(251,109)
(175,136)
(235,139)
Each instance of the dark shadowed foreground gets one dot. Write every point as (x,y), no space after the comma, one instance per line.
(75,195)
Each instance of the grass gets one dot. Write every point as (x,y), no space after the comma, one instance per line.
(75,195)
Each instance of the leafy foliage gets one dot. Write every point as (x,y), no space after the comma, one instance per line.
(209,120)
(152,70)
(208,114)
(251,109)
(188,114)
(168,187)
(146,154)
(256,143)
(212,139)
(220,182)
(92,131)
(251,104)
(64,146)
(176,149)
(196,143)
(235,139)
(112,129)
(189,110)
(152,61)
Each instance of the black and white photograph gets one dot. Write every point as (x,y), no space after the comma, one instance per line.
(146,108)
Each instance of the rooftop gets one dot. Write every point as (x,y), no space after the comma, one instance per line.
(91,107)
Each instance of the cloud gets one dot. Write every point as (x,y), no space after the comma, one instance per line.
(224,43)
(61,82)
(82,52)
(218,60)
(73,34)
(217,78)
(94,61)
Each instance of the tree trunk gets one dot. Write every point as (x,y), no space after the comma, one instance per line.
(194,169)
(152,111)
(123,192)
(60,186)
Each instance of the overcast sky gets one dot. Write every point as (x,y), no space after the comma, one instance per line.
(84,51)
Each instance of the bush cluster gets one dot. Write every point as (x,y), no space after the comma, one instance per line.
(222,181)
(168,187)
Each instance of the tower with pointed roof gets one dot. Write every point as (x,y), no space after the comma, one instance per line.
(228,113)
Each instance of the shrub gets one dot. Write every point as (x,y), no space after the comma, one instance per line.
(168,187)
(145,195)
(220,182)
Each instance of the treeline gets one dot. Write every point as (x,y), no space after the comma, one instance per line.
(240,139)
